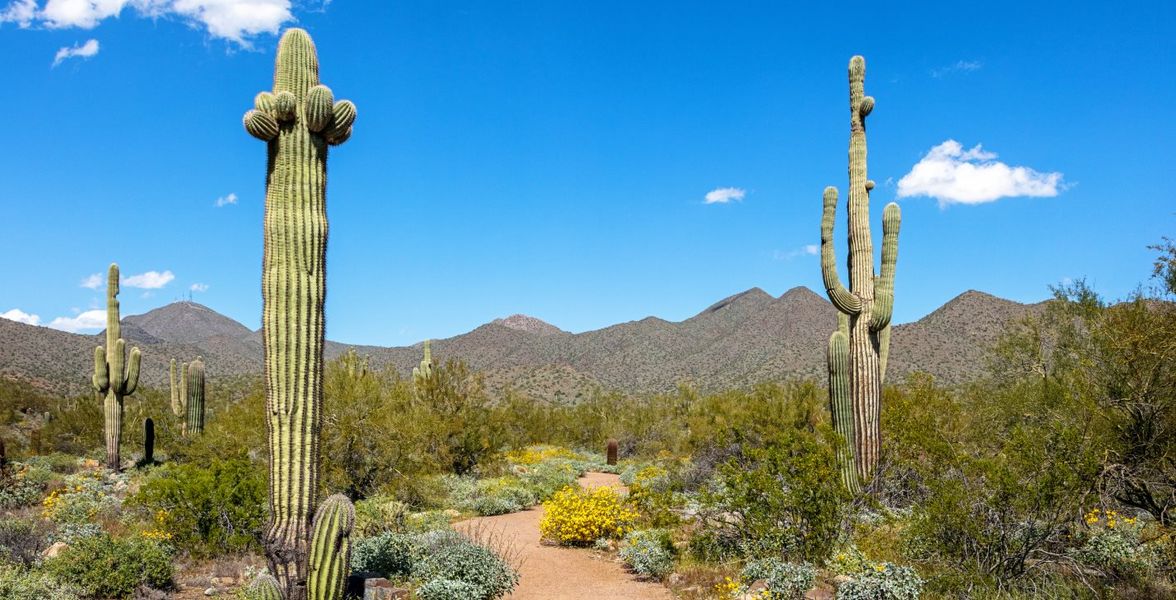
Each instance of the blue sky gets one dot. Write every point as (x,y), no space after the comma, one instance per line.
(555,158)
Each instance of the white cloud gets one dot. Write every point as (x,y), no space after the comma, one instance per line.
(953,175)
(805,250)
(21,316)
(151,280)
(198,287)
(92,282)
(91,319)
(235,20)
(20,12)
(725,195)
(226,200)
(86,50)
(960,66)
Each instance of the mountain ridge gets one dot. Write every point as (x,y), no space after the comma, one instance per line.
(741,340)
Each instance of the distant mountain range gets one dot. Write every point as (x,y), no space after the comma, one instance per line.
(742,340)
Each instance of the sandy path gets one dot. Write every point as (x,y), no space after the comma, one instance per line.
(555,573)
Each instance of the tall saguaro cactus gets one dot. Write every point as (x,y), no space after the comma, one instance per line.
(114,375)
(423,372)
(858,350)
(299,120)
(194,404)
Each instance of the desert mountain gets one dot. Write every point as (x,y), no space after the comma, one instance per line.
(741,340)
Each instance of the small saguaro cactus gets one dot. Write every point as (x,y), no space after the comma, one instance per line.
(611,457)
(114,375)
(425,371)
(330,549)
(194,406)
(148,441)
(177,397)
(299,120)
(858,350)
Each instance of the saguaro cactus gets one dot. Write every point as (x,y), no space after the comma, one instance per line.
(148,441)
(330,549)
(857,352)
(611,456)
(194,406)
(299,120)
(114,375)
(423,372)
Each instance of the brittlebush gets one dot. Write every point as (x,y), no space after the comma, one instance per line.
(577,517)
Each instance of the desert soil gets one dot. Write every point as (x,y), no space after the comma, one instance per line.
(555,573)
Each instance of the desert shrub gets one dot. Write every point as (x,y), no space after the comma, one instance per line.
(578,517)
(784,580)
(649,552)
(23,484)
(17,583)
(22,541)
(107,567)
(883,582)
(390,554)
(83,498)
(378,514)
(465,428)
(1112,544)
(782,499)
(447,555)
(653,490)
(546,478)
(206,510)
(447,589)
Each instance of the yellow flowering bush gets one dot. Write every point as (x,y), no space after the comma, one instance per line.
(536,454)
(577,517)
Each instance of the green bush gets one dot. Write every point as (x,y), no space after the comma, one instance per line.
(448,589)
(1112,545)
(107,567)
(17,583)
(785,581)
(22,541)
(649,552)
(447,555)
(23,484)
(781,499)
(883,582)
(390,554)
(206,510)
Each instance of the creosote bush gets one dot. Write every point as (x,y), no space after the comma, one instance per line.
(649,552)
(103,566)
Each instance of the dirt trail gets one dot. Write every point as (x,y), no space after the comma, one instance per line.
(555,573)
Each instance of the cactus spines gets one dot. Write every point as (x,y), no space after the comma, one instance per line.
(611,456)
(330,549)
(293,290)
(868,303)
(265,587)
(194,406)
(422,373)
(148,441)
(115,376)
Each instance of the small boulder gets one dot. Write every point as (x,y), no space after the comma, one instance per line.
(55,549)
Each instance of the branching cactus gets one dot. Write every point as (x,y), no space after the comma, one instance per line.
(425,371)
(194,406)
(114,375)
(857,364)
(298,120)
(330,549)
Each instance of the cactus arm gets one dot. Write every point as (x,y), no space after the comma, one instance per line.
(841,405)
(884,283)
(883,352)
(330,549)
(260,125)
(101,378)
(840,297)
(319,104)
(131,382)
